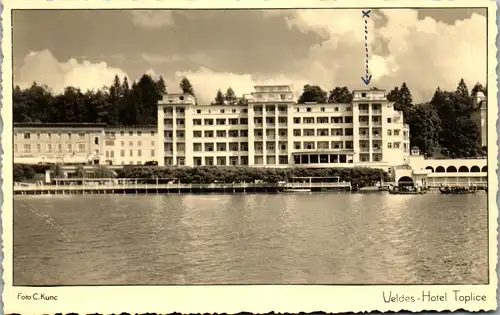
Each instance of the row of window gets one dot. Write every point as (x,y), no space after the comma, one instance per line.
(138,153)
(130,143)
(27,148)
(48,135)
(130,133)
(232,160)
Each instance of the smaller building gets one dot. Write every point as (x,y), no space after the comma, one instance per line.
(65,143)
(130,145)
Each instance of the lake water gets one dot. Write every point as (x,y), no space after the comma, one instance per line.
(318,238)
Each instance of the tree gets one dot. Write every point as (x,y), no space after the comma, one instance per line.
(161,88)
(425,129)
(219,98)
(186,87)
(230,96)
(402,99)
(479,88)
(312,93)
(462,89)
(340,95)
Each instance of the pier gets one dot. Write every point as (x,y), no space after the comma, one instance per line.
(145,186)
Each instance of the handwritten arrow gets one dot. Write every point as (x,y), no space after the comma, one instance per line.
(368,77)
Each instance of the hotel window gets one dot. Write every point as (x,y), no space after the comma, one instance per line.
(221,160)
(209,134)
(396,145)
(122,133)
(336,109)
(197,134)
(322,132)
(245,110)
(348,120)
(296,120)
(96,140)
(336,144)
(348,109)
(243,133)
(180,122)
(233,133)
(282,146)
(209,147)
(112,154)
(222,111)
(59,147)
(233,121)
(233,146)
(389,132)
(107,153)
(322,120)
(296,132)
(49,135)
(69,147)
(234,110)
(59,136)
(389,120)
(131,143)
(243,121)
(81,147)
(309,132)
(197,122)
(139,153)
(348,131)
(221,133)
(197,147)
(131,152)
(396,132)
(209,122)
(322,109)
(389,145)
(198,111)
(152,153)
(221,121)
(296,145)
(308,109)
(209,160)
(38,135)
(69,135)
(308,120)
(130,133)
(81,135)
(38,148)
(122,153)
(349,145)
(221,147)
(297,109)
(243,146)
(309,145)
(179,134)
(139,133)
(27,148)
(139,143)
(27,136)
(152,142)
(323,145)
(49,147)
(152,133)
(180,147)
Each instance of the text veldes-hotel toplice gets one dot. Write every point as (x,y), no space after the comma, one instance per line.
(268,130)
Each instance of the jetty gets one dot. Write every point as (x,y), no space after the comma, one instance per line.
(155,186)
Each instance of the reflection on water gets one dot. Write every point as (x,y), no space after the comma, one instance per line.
(251,239)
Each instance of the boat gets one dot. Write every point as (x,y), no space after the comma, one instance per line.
(407,192)
(290,190)
(397,191)
(457,191)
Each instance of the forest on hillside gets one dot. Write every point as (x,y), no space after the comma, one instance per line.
(440,127)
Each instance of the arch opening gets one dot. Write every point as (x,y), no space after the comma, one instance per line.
(484,169)
(463,169)
(430,168)
(475,169)
(406,181)
(440,169)
(451,169)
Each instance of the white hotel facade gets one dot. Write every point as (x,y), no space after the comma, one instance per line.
(272,130)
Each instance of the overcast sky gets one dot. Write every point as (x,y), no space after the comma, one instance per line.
(216,49)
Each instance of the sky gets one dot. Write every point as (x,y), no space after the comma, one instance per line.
(215,49)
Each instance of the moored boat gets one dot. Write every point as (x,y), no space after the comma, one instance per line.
(457,190)
(295,190)
(406,191)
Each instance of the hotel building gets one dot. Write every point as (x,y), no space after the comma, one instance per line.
(64,143)
(272,130)
(73,143)
(130,145)
(479,115)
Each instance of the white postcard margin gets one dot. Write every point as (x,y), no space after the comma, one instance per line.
(240,298)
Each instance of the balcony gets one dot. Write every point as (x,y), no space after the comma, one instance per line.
(376,123)
(258,113)
(364,150)
(363,123)
(364,136)
(376,112)
(363,111)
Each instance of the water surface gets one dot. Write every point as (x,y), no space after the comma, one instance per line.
(319,238)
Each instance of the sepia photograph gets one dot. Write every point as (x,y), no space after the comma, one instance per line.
(271,149)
